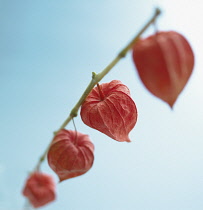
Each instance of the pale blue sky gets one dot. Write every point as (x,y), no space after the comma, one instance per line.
(48,49)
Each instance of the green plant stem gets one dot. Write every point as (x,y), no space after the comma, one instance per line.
(100,92)
(98,77)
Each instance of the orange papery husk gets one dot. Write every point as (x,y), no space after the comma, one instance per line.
(71,154)
(164,62)
(110,110)
(39,189)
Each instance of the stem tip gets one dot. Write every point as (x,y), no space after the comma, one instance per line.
(157,11)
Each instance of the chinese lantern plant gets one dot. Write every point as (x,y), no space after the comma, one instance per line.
(164,62)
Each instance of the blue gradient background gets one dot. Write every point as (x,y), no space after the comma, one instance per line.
(48,49)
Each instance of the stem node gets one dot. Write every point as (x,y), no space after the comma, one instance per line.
(74,113)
